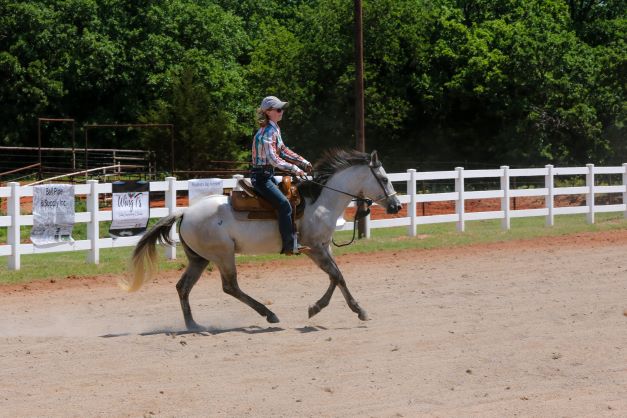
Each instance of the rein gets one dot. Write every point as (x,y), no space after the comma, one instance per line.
(355,197)
(359,214)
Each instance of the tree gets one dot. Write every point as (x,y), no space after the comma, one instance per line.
(203,129)
(447,81)
(110,61)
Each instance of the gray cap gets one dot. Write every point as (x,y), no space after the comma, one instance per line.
(272,102)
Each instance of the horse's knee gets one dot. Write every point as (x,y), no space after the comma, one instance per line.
(229,289)
(335,276)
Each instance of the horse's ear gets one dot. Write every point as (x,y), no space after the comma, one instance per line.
(374,158)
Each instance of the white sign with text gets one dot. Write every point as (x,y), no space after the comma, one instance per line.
(199,188)
(53,214)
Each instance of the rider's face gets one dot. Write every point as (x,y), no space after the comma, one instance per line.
(275,115)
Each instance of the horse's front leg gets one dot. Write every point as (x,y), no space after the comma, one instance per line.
(323,258)
(323,302)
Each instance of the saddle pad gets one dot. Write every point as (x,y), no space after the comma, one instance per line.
(262,215)
(252,216)
(243,202)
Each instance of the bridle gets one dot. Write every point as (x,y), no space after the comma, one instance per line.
(385,195)
(360,213)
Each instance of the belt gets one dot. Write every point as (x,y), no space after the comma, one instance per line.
(262,167)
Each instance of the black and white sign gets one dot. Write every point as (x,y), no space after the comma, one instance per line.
(53,214)
(130,208)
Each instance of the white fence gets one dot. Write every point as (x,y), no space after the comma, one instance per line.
(14,249)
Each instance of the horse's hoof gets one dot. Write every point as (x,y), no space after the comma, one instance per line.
(193,326)
(363,315)
(313,310)
(272,318)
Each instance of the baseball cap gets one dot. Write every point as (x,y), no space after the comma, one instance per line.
(272,102)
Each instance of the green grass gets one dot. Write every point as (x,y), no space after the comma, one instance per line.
(477,232)
(115,261)
(79,231)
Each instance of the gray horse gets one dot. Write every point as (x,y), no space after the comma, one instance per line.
(210,231)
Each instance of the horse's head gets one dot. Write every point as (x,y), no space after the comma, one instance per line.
(358,174)
(378,187)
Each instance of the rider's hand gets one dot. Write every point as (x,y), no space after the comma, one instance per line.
(299,173)
(308,168)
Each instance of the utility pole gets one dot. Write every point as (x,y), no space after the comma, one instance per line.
(359,97)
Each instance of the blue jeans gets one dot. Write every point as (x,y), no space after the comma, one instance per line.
(264,183)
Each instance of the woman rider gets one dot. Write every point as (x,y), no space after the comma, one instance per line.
(269,152)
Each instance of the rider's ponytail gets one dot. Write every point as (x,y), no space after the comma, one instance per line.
(262,118)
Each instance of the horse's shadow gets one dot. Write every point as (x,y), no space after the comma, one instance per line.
(209,331)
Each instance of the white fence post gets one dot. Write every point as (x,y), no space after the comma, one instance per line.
(93,227)
(590,195)
(170,203)
(505,222)
(411,209)
(13,209)
(625,185)
(549,181)
(459,203)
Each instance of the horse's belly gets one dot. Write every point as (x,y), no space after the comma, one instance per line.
(256,237)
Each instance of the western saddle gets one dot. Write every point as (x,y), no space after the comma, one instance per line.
(247,200)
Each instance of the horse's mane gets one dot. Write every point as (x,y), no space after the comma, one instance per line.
(331,162)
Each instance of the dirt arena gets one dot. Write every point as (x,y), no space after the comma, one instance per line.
(528,329)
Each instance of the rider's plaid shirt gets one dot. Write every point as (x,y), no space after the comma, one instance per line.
(269,149)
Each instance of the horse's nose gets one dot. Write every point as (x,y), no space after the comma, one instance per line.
(394,207)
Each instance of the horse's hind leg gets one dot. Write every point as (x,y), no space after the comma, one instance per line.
(192,273)
(231,287)
(323,258)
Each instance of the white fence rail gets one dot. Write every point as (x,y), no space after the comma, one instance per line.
(14,220)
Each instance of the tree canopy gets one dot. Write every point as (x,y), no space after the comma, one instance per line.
(490,82)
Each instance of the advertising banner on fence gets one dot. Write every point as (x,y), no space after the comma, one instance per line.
(199,188)
(130,208)
(53,214)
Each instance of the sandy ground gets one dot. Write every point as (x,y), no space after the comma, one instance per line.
(530,329)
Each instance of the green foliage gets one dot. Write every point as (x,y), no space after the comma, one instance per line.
(204,131)
(518,82)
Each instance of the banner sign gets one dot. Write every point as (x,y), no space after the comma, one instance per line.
(199,188)
(130,208)
(53,214)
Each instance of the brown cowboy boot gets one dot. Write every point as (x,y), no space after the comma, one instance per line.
(302,249)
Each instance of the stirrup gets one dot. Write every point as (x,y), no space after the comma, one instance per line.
(302,249)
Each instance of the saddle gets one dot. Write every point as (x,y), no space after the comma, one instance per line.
(248,200)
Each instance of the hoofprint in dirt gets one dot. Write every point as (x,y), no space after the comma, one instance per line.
(534,328)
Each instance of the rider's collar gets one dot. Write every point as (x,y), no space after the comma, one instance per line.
(273,123)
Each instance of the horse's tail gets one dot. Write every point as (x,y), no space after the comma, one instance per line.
(144,260)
